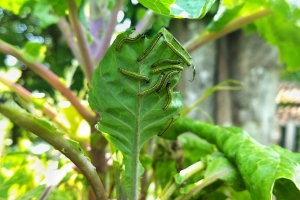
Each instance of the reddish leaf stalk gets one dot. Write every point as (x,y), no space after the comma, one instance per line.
(25,94)
(88,65)
(236,24)
(109,30)
(52,79)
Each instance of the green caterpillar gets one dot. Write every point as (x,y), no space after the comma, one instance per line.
(150,47)
(134,74)
(163,61)
(166,80)
(183,57)
(169,123)
(159,69)
(169,93)
(154,87)
(129,40)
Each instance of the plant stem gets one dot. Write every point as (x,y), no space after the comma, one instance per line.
(52,79)
(25,94)
(88,65)
(134,173)
(178,179)
(65,29)
(109,31)
(49,134)
(235,24)
(225,85)
(143,24)
(134,182)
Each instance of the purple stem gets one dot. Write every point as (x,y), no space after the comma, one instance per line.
(143,24)
(109,31)
(88,64)
(65,29)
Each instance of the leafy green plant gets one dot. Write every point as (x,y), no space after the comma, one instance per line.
(131,95)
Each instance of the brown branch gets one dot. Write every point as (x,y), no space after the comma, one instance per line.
(88,65)
(52,79)
(236,24)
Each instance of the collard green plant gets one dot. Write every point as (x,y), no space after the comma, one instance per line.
(134,103)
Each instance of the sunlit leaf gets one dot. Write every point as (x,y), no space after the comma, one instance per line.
(78,128)
(33,52)
(15,5)
(180,8)
(12,74)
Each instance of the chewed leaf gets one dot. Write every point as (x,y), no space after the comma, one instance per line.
(134,103)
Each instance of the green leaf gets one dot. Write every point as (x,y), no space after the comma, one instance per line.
(231,10)
(180,8)
(217,163)
(224,16)
(42,11)
(165,160)
(59,7)
(15,5)
(128,119)
(260,166)
(33,52)
(78,128)
(194,148)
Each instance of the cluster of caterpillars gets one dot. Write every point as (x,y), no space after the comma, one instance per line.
(167,71)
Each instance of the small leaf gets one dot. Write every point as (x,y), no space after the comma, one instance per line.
(42,11)
(180,8)
(33,52)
